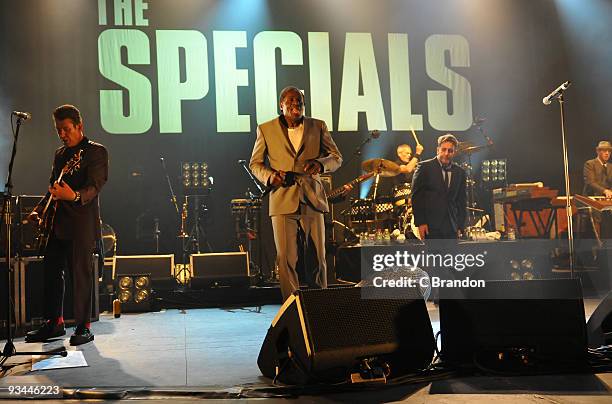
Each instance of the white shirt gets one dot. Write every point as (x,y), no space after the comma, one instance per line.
(295,136)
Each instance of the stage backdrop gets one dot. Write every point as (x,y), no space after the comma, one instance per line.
(189,80)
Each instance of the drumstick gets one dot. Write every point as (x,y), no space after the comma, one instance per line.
(414,135)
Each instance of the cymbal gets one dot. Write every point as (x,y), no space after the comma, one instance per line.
(385,168)
(464,145)
(470,149)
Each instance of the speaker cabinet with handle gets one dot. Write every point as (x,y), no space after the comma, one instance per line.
(322,335)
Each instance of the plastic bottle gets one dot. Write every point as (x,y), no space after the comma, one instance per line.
(116,308)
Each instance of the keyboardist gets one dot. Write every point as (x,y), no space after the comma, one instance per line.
(598,172)
(598,182)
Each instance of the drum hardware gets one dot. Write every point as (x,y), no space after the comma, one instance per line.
(247,215)
(467,149)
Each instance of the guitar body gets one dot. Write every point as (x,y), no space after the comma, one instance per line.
(46,227)
(48,214)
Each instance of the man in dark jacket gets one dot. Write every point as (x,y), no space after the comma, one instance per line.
(83,166)
(438,193)
(598,172)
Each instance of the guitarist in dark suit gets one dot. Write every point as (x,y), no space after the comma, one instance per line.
(73,229)
(438,193)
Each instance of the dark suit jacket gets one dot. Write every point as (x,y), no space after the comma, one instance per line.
(596,178)
(432,203)
(80,220)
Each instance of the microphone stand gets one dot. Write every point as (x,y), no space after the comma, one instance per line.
(568,205)
(9,348)
(255,228)
(373,135)
(172,194)
(258,184)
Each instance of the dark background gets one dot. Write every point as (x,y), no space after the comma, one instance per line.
(519,51)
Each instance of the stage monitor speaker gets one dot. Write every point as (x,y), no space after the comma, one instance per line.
(160,267)
(599,326)
(514,326)
(220,269)
(322,335)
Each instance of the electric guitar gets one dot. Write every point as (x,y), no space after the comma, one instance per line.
(336,193)
(45,225)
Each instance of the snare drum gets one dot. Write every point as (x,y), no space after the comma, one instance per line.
(401,194)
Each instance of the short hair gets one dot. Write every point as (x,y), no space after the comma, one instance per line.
(68,111)
(448,138)
(404,146)
(285,90)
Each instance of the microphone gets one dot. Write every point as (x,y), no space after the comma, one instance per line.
(23,115)
(557,92)
(478,121)
(241,162)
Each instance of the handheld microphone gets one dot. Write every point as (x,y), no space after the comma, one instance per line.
(557,92)
(23,115)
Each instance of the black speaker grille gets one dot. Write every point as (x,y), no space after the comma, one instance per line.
(349,320)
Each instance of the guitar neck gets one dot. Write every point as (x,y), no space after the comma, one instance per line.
(59,179)
(356,181)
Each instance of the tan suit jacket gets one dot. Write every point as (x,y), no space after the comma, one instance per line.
(317,144)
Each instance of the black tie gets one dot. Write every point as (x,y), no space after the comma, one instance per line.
(446,176)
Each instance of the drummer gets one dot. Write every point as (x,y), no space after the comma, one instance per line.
(407,163)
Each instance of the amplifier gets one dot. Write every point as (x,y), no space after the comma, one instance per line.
(160,267)
(220,269)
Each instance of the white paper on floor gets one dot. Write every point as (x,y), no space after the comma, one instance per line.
(74,359)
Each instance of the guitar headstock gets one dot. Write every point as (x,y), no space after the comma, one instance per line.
(74,163)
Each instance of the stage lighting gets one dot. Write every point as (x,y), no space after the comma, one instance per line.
(195,177)
(493,173)
(134,292)
(522,269)
(125,282)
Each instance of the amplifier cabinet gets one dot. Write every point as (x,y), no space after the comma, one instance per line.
(220,269)
(28,293)
(160,267)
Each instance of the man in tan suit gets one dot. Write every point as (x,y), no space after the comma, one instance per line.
(298,149)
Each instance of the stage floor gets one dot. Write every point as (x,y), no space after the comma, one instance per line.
(215,350)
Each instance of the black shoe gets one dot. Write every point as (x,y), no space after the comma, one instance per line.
(48,330)
(81,336)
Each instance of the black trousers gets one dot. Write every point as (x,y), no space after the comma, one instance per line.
(74,256)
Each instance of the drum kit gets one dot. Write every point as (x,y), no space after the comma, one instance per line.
(382,213)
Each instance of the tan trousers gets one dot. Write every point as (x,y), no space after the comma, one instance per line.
(286,229)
